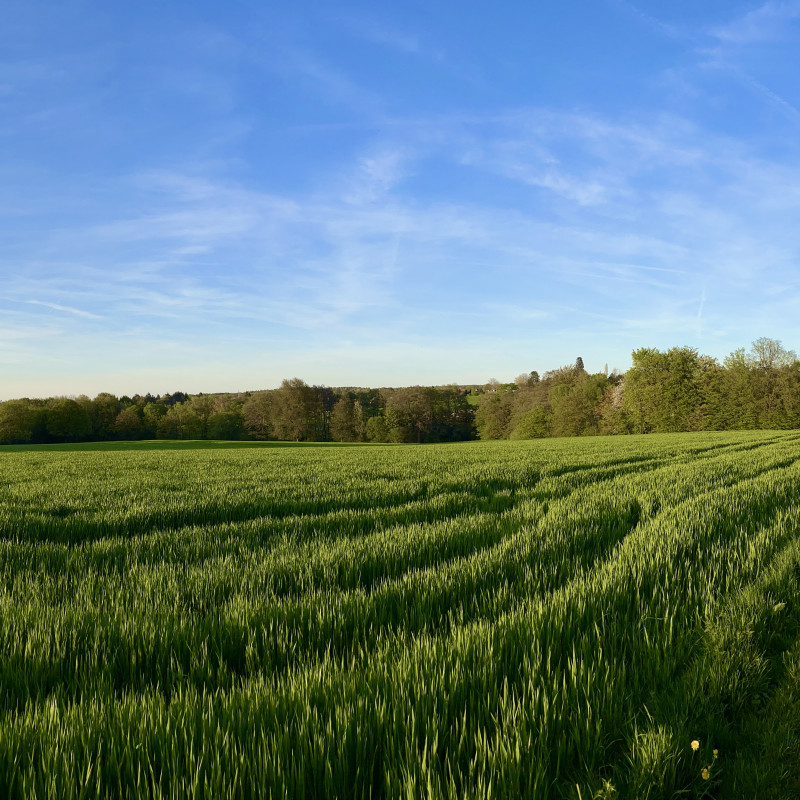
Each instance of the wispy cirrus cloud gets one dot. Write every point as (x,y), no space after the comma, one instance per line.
(66,309)
(638,219)
(653,22)
(311,262)
(764,24)
(256,190)
(402,40)
(377,173)
(332,84)
(725,47)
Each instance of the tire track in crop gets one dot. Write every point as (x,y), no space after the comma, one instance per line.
(571,628)
(383,611)
(69,524)
(486,585)
(531,699)
(539,699)
(286,632)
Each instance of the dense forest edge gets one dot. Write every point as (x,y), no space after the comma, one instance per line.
(663,391)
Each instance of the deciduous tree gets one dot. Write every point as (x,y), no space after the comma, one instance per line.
(296,407)
(660,389)
(20,420)
(257,413)
(67,421)
(343,420)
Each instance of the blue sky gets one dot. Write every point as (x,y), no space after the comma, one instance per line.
(213,196)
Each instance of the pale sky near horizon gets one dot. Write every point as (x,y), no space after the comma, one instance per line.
(206,196)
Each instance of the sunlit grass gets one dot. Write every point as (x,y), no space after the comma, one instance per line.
(560,618)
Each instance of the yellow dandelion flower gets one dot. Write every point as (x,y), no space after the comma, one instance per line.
(695,744)
(705,774)
(716,753)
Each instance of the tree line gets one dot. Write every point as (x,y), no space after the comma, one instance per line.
(293,412)
(663,391)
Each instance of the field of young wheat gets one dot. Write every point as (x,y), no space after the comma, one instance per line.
(578,618)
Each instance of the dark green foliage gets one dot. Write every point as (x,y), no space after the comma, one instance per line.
(129,423)
(493,416)
(67,421)
(22,421)
(375,430)
(257,415)
(103,411)
(225,425)
(575,405)
(347,421)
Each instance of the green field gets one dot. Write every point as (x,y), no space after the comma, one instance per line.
(542,619)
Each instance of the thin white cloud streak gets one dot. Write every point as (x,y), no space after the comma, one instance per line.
(656,24)
(773,97)
(700,314)
(66,309)
(416,44)
(403,41)
(336,87)
(764,24)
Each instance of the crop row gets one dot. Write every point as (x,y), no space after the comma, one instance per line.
(505,620)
